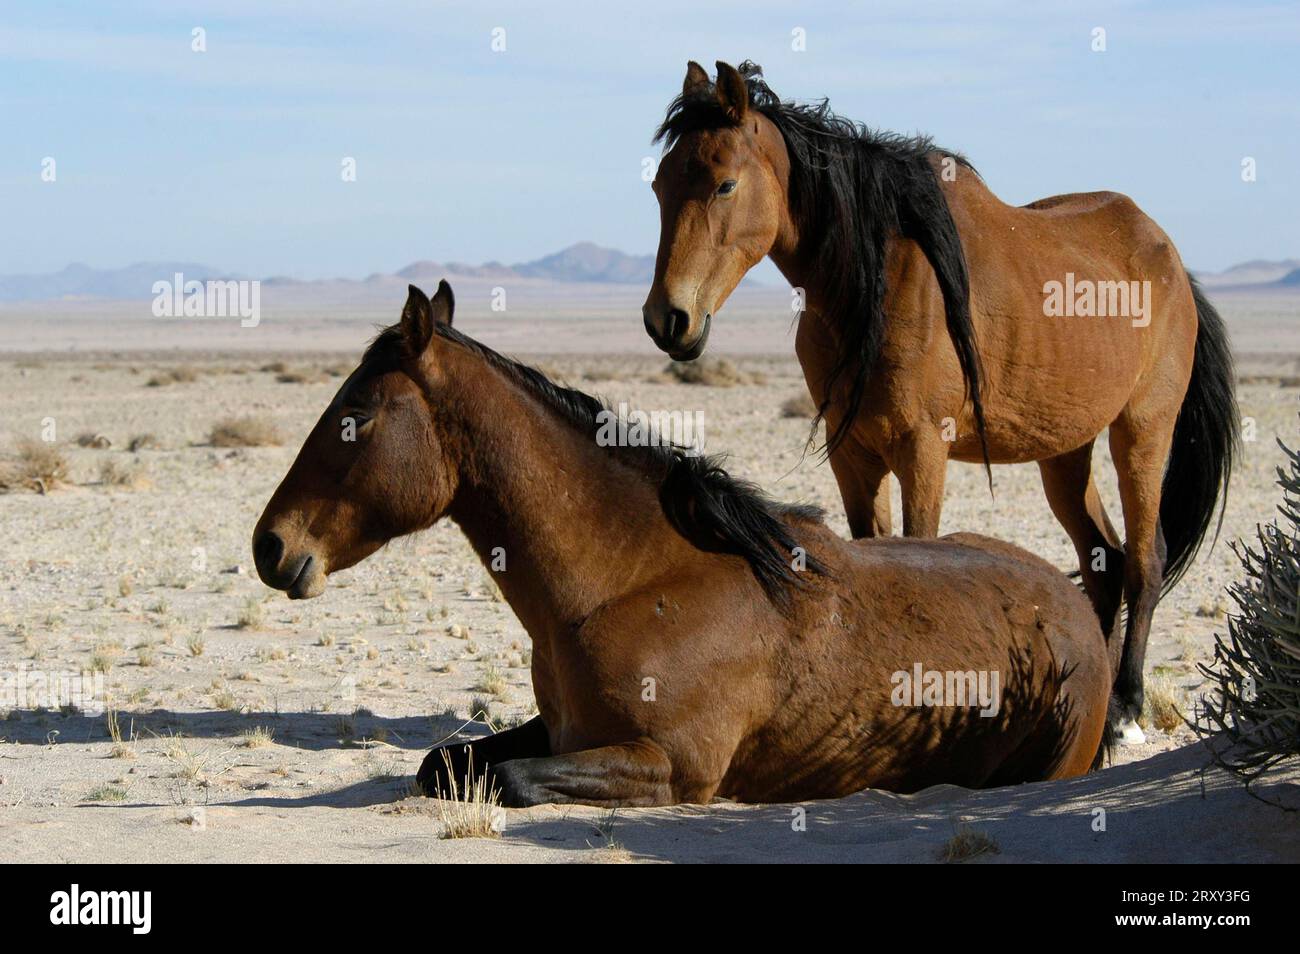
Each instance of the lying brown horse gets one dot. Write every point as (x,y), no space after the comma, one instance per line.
(1077,316)
(690,637)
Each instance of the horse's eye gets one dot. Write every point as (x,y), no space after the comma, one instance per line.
(727,187)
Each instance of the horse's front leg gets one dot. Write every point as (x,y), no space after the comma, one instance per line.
(920,459)
(634,774)
(453,762)
(863,480)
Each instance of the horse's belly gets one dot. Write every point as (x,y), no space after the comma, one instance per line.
(1051,401)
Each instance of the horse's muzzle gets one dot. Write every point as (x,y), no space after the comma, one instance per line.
(670,334)
(298,575)
(691,351)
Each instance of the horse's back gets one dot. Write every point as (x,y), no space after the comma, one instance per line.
(1078,302)
(972,576)
(965,604)
(1077,203)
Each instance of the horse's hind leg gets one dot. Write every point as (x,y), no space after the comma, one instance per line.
(1140,450)
(634,774)
(453,762)
(1072,494)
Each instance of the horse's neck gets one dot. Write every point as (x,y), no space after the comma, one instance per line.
(794,252)
(803,275)
(562,525)
(799,265)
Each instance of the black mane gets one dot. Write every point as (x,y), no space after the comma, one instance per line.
(852,189)
(706,505)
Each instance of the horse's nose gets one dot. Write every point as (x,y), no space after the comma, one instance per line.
(666,328)
(268,549)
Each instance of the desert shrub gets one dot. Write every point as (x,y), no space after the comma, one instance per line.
(1251,719)
(305,376)
(245,432)
(711,372)
(143,442)
(114,473)
(801,405)
(178,375)
(37,466)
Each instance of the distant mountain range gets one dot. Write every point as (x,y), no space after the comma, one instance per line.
(1285,273)
(583,263)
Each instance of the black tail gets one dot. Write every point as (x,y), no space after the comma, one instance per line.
(1206,438)
(1105,748)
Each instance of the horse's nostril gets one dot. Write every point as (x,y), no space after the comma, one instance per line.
(678,322)
(267,551)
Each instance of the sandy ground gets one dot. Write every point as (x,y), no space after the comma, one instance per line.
(152,582)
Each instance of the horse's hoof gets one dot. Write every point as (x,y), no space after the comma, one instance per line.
(1129,732)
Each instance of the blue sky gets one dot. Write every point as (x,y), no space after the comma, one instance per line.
(232,157)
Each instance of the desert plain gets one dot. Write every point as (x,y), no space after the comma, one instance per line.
(240,726)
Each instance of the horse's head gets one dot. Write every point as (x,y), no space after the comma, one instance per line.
(721,205)
(377,465)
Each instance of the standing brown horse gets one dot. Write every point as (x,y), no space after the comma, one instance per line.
(678,652)
(939,322)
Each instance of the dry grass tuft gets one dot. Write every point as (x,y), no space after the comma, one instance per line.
(102,658)
(492,682)
(245,432)
(123,746)
(257,737)
(966,843)
(1216,608)
(106,793)
(1163,703)
(252,616)
(469,809)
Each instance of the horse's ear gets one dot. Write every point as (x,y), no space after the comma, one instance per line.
(417,321)
(695,76)
(443,305)
(733,94)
